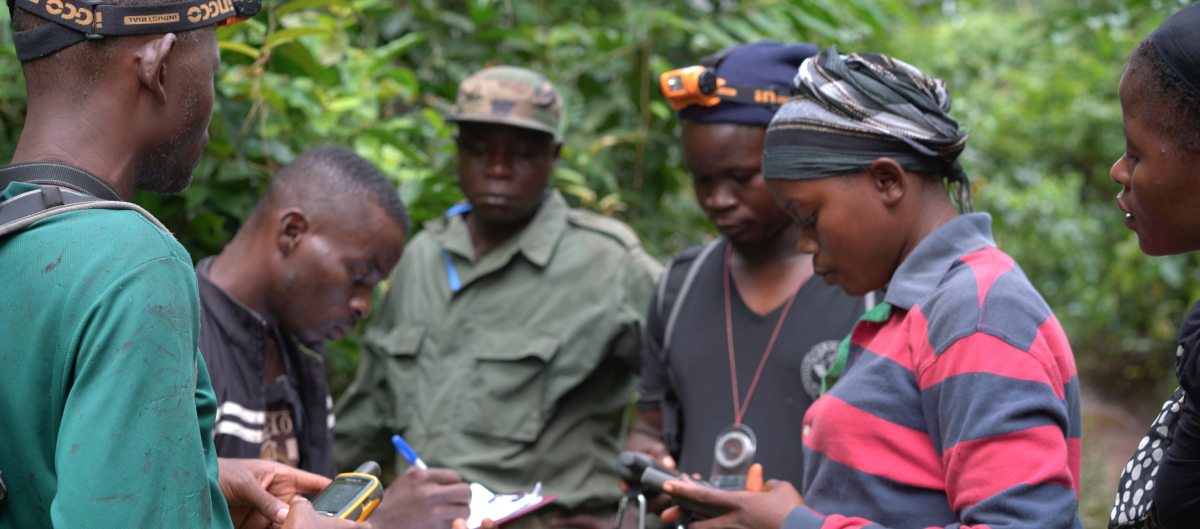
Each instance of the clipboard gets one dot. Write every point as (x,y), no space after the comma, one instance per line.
(503,508)
(547,500)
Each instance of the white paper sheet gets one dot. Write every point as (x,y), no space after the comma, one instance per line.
(487,504)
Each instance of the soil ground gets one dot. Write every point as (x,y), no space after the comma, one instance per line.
(1111,432)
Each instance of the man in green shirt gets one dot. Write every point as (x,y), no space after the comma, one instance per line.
(106,408)
(508,345)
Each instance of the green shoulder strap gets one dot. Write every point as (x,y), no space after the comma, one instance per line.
(879,313)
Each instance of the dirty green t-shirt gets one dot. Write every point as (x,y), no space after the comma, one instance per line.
(106,408)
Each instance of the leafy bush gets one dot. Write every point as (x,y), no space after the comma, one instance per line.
(1035,81)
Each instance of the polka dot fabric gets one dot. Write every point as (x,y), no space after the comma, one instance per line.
(1134,508)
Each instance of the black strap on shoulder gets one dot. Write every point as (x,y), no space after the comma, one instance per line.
(670,304)
(284,390)
(34,202)
(77,20)
(681,297)
(57,174)
(3,489)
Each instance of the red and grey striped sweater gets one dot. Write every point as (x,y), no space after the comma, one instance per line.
(960,410)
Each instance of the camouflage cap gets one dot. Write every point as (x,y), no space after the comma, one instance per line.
(509,95)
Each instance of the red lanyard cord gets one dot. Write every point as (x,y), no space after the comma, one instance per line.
(739,409)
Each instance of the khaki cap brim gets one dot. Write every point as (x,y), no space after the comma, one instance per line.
(504,120)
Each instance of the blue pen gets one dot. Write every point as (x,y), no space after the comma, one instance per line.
(409,454)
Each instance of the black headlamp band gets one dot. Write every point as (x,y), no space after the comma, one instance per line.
(76,20)
(753,95)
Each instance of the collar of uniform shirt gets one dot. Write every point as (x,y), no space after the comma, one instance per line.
(537,241)
(923,269)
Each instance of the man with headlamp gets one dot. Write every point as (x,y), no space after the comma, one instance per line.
(108,408)
(739,317)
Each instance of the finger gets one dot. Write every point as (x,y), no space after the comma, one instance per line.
(658,503)
(256,521)
(299,512)
(442,476)
(263,502)
(306,482)
(717,497)
(458,523)
(672,514)
(754,478)
(487,524)
(720,522)
(459,494)
(449,513)
(669,462)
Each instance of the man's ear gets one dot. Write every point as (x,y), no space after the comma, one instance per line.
(293,226)
(557,149)
(152,64)
(890,180)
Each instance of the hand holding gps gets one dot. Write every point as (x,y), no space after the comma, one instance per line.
(352,495)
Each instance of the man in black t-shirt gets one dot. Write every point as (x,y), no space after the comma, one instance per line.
(738,336)
(302,270)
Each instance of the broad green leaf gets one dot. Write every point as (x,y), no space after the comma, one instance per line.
(586,196)
(298,5)
(295,59)
(803,20)
(238,47)
(396,47)
(569,175)
(717,35)
(288,35)
(742,29)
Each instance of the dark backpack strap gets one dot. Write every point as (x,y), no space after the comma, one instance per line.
(24,210)
(284,390)
(677,303)
(34,202)
(670,302)
(57,174)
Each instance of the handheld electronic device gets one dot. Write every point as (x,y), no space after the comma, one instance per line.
(653,479)
(631,465)
(352,495)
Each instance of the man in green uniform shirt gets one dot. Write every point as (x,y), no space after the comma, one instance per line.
(508,345)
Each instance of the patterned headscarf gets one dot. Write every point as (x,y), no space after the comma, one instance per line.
(848,110)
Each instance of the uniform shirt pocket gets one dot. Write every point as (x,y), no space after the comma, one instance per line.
(507,387)
(399,348)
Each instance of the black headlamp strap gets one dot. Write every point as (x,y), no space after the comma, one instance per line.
(44,40)
(746,95)
(753,95)
(76,20)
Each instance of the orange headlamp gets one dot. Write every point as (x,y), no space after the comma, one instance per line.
(699,85)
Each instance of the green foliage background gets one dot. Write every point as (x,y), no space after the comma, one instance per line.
(1034,80)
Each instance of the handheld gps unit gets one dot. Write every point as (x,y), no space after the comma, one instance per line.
(352,495)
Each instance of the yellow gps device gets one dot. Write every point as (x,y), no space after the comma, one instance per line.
(352,495)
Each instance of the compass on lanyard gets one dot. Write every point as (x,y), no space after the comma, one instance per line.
(736,445)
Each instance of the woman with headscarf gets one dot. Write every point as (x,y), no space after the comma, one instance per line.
(1160,178)
(954,402)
